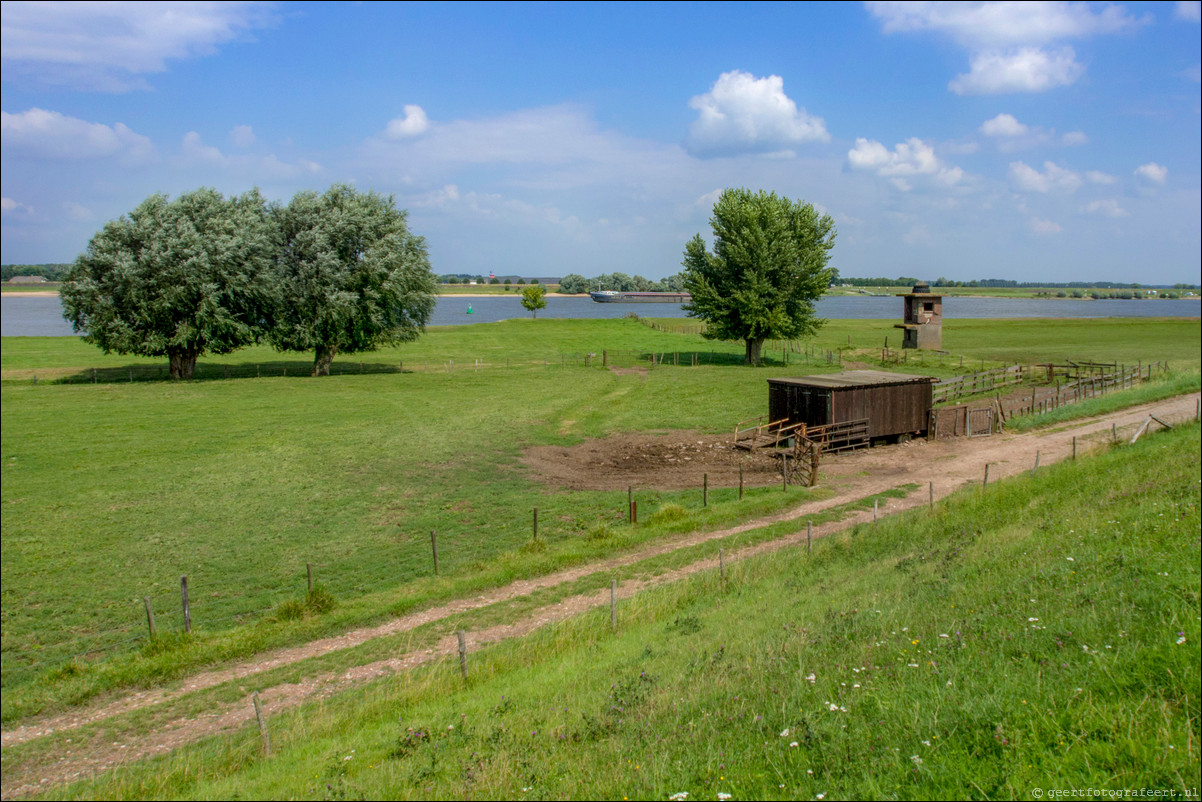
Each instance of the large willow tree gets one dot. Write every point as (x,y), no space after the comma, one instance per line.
(176,278)
(766,271)
(350,276)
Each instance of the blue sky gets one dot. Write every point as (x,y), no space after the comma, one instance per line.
(1028,141)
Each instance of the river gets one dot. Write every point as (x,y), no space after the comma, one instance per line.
(41,316)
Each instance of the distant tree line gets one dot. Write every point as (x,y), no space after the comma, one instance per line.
(909,281)
(574,283)
(338,272)
(50,272)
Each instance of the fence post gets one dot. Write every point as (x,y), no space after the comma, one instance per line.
(740,483)
(705,490)
(1036,464)
(183,592)
(309,571)
(809,536)
(462,652)
(931,502)
(613,604)
(986,476)
(874,503)
(721,565)
(634,512)
(264,738)
(149,616)
(1074,446)
(434,548)
(536,523)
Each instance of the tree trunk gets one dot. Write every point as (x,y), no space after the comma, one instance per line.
(753,351)
(182,364)
(325,356)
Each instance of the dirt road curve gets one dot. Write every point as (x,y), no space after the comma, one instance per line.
(947,465)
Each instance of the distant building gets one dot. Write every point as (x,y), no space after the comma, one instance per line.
(923,321)
(27,280)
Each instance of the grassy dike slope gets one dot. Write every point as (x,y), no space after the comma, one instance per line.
(1041,634)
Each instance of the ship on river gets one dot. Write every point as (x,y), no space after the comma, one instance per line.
(615,297)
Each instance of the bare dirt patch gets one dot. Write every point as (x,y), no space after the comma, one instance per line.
(670,461)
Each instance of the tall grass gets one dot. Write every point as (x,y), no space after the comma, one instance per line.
(1041,635)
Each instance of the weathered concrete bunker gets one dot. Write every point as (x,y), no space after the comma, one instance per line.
(894,405)
(923,321)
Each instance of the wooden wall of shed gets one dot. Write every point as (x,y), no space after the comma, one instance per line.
(890,409)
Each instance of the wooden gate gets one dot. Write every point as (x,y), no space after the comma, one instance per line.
(980,422)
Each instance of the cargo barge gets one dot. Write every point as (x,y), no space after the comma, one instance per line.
(615,297)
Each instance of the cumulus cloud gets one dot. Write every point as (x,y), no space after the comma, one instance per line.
(8,206)
(110,46)
(193,151)
(52,135)
(1028,70)
(742,113)
(1075,138)
(1004,125)
(908,160)
(1054,178)
(242,136)
(413,123)
(1045,227)
(1010,43)
(1188,10)
(1152,172)
(1108,207)
(1098,177)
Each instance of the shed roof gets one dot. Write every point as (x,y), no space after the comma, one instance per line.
(856,378)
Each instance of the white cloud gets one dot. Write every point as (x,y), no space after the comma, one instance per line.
(708,200)
(1075,138)
(108,46)
(742,113)
(1053,178)
(10,206)
(1009,43)
(910,159)
(1045,227)
(1152,172)
(193,152)
(983,25)
(438,198)
(1098,177)
(1027,70)
(1189,10)
(242,136)
(1004,125)
(1108,207)
(51,135)
(413,123)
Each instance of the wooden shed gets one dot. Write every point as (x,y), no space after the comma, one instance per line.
(895,405)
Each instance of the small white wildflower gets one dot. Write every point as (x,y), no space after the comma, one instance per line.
(722,795)
(943,634)
(856,685)
(793,745)
(820,796)
(811,679)
(450,727)
(832,706)
(809,771)
(1181,640)
(784,733)
(917,760)
(1032,619)
(912,665)
(1070,559)
(680,796)
(926,743)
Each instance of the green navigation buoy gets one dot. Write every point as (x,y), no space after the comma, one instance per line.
(469,309)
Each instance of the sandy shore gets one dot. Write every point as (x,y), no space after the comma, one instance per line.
(29,293)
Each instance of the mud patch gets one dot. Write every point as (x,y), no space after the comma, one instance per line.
(670,461)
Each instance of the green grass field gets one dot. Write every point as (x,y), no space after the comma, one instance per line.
(1042,635)
(114,490)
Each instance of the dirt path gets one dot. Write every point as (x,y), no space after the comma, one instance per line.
(944,466)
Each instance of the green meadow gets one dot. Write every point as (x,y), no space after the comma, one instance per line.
(1039,636)
(114,489)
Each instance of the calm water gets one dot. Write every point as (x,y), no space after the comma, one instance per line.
(23,316)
